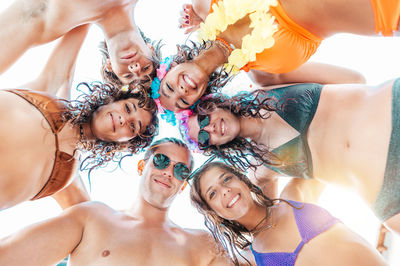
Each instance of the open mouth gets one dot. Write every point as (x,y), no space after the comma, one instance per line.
(112,122)
(189,81)
(233,201)
(223,127)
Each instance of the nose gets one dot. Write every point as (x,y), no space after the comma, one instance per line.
(183,90)
(226,191)
(210,128)
(168,172)
(122,120)
(134,67)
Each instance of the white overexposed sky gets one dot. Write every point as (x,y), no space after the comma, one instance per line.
(378,59)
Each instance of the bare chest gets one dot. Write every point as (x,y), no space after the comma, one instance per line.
(123,246)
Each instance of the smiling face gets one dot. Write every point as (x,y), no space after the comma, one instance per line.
(130,57)
(159,187)
(225,193)
(120,121)
(182,86)
(222,128)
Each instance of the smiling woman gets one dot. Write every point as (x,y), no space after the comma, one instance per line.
(106,121)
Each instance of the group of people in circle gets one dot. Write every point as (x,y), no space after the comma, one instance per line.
(316,123)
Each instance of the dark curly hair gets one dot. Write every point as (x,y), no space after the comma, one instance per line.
(110,77)
(241,153)
(230,234)
(80,112)
(186,53)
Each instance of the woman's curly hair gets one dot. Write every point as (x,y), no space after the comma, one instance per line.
(81,111)
(241,153)
(230,234)
(186,53)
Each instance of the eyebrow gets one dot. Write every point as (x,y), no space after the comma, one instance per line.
(221,176)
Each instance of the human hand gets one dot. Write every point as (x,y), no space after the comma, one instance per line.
(189,20)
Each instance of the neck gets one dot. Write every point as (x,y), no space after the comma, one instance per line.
(147,212)
(117,20)
(253,217)
(87,133)
(251,128)
(209,60)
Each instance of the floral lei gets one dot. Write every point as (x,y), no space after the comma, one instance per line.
(227,12)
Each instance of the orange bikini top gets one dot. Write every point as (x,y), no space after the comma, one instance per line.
(293,46)
(64,163)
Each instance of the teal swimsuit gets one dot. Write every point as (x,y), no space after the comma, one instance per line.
(299,104)
(387,203)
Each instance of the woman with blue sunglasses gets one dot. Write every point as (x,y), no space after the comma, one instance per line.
(340,134)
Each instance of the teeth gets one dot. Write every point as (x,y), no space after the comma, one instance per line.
(233,201)
(223,128)
(189,81)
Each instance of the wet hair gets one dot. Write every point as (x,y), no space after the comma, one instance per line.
(241,153)
(110,77)
(230,234)
(156,144)
(186,53)
(81,110)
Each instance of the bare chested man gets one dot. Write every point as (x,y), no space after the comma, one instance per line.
(94,234)
(27,23)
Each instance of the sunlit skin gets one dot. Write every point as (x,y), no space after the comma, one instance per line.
(160,187)
(227,195)
(95,234)
(342,137)
(322,19)
(230,198)
(23,183)
(119,121)
(129,55)
(223,127)
(183,85)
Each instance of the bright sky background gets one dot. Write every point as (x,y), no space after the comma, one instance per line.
(378,59)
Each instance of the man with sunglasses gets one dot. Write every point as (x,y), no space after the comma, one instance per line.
(94,234)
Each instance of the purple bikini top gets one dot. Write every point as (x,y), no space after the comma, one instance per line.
(311,221)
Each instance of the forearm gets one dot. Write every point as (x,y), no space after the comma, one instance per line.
(73,194)
(45,243)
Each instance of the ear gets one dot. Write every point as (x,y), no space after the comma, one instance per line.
(183,186)
(140,167)
(108,65)
(173,64)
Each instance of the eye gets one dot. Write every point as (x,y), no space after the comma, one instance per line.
(133,128)
(184,101)
(146,68)
(128,110)
(170,88)
(127,76)
(227,179)
(212,194)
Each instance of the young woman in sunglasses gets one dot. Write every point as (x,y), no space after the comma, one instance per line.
(339,134)
(278,232)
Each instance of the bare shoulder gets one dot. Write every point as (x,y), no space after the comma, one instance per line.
(89,209)
(211,251)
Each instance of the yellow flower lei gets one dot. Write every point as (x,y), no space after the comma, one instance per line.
(227,12)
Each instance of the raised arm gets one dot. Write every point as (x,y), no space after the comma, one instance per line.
(310,72)
(57,75)
(266,179)
(73,194)
(45,243)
